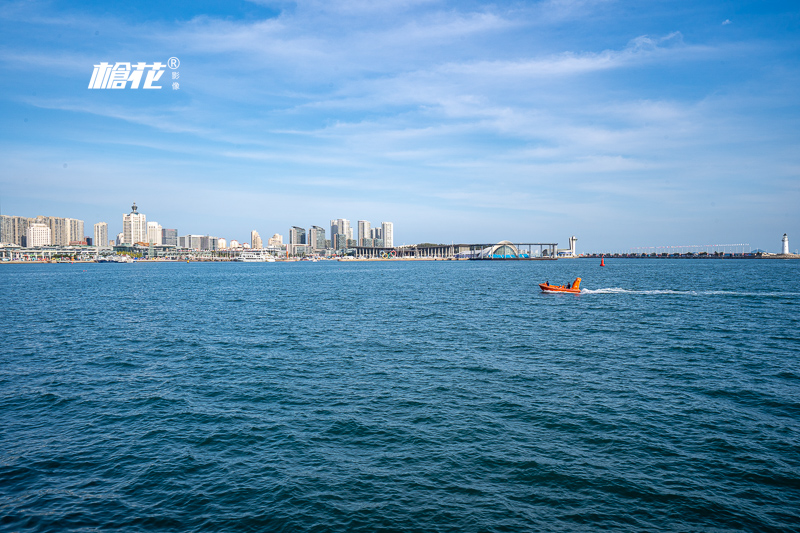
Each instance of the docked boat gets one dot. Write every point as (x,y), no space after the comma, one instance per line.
(574,287)
(254,257)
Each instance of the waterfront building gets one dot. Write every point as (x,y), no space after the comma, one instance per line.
(363,232)
(340,241)
(275,241)
(387,233)
(255,240)
(75,231)
(14,229)
(193,242)
(341,226)
(316,238)
(207,242)
(59,229)
(134,226)
(297,235)
(376,233)
(39,234)
(100,234)
(120,239)
(169,237)
(154,235)
(235,244)
(222,244)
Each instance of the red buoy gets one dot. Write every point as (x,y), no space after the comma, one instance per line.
(602,263)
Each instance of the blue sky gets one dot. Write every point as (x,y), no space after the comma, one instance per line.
(627,124)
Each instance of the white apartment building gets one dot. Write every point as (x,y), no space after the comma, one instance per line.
(363,231)
(100,234)
(38,235)
(387,232)
(154,233)
(134,227)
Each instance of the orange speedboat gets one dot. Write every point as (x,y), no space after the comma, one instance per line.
(573,288)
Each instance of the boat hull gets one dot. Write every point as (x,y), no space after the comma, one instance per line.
(555,288)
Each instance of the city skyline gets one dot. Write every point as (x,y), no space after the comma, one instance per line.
(628,124)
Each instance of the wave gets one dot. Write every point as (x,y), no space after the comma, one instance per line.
(619,290)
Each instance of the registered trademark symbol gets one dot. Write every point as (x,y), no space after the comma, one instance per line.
(174,63)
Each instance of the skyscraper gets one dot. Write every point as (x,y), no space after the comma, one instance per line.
(101,234)
(387,232)
(134,226)
(74,230)
(169,236)
(154,233)
(297,235)
(316,238)
(255,240)
(363,231)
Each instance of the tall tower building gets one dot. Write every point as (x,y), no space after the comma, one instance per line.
(169,236)
(255,240)
(154,235)
(134,226)
(387,232)
(101,234)
(316,238)
(785,243)
(363,231)
(297,235)
(74,230)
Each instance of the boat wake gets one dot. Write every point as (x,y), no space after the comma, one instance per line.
(619,290)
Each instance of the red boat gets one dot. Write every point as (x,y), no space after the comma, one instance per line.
(573,288)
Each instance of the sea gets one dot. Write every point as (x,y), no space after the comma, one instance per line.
(446,396)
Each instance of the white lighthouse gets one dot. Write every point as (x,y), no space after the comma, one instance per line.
(785,241)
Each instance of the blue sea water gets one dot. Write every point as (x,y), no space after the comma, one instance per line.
(400,396)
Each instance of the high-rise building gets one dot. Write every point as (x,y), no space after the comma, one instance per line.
(120,239)
(169,236)
(100,234)
(59,229)
(39,234)
(387,233)
(376,233)
(207,242)
(316,238)
(297,235)
(275,240)
(134,226)
(363,231)
(154,233)
(193,242)
(74,230)
(14,230)
(341,225)
(222,244)
(255,240)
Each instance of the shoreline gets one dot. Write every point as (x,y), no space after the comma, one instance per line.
(406,259)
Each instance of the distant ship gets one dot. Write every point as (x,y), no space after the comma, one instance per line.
(255,257)
(114,259)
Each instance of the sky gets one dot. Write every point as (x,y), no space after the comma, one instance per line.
(627,124)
